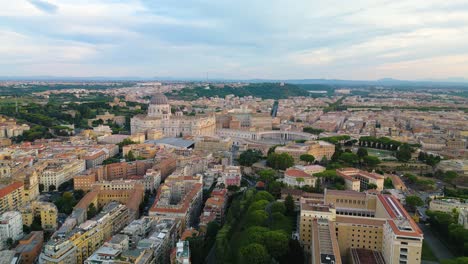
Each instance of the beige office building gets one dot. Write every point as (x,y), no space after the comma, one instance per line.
(369,221)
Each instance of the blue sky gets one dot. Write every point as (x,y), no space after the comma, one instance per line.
(359,39)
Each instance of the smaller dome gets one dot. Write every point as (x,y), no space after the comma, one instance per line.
(159,99)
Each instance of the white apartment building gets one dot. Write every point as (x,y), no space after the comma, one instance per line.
(11,226)
(58,172)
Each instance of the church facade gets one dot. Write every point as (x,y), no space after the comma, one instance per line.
(160,118)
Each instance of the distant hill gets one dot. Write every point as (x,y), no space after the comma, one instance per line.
(263,90)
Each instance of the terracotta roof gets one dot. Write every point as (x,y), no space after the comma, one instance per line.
(350,172)
(10,188)
(260,184)
(396,211)
(296,173)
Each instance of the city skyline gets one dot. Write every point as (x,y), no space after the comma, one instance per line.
(409,40)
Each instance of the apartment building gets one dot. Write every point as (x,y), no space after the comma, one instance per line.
(127,192)
(11,197)
(137,230)
(298,178)
(182,253)
(47,212)
(9,128)
(57,172)
(214,210)
(359,180)
(213,144)
(161,240)
(29,247)
(147,151)
(318,149)
(74,242)
(231,175)
(447,205)
(11,226)
(178,198)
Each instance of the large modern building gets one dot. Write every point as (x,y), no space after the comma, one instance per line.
(359,220)
(160,118)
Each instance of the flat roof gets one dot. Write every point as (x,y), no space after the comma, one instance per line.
(177,142)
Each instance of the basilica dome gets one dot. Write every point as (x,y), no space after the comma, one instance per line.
(159,99)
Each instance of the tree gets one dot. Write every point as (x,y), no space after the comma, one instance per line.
(371,186)
(274,188)
(412,201)
(460,260)
(196,250)
(212,229)
(41,187)
(362,152)
(258,205)
(450,176)
(26,229)
(65,203)
(278,207)
(130,156)
(312,130)
(256,234)
(36,224)
(276,243)
(263,195)
(371,161)
(403,153)
(233,188)
(307,158)
(257,218)
(254,254)
(267,175)
(289,204)
(9,242)
(280,161)
(349,158)
(295,253)
(125,142)
(388,183)
(78,194)
(272,149)
(92,211)
(68,184)
(249,157)
(52,188)
(324,160)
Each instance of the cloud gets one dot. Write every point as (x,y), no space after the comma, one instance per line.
(44,6)
(363,39)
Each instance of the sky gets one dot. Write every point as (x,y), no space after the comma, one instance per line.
(235,39)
